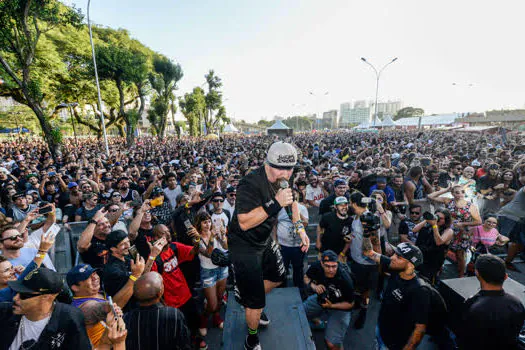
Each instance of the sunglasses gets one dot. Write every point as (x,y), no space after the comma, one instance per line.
(218,200)
(415,213)
(25,296)
(114,210)
(116,196)
(232,195)
(459,191)
(12,238)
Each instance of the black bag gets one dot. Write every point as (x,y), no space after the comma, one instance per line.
(220,258)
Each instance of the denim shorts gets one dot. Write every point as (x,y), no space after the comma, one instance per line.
(210,277)
(338,320)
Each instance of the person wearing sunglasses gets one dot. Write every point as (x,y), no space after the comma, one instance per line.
(8,272)
(90,206)
(231,195)
(35,320)
(406,226)
(220,217)
(12,246)
(464,215)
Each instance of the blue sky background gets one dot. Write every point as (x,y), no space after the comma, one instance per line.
(271,53)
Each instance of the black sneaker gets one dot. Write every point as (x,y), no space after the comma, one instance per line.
(361,318)
(264,321)
(255,347)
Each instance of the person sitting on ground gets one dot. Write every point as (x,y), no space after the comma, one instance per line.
(486,235)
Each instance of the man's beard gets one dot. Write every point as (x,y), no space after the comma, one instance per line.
(124,188)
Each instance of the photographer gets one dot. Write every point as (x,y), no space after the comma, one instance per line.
(411,309)
(365,224)
(334,294)
(433,239)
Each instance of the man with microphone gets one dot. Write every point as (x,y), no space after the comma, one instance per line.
(257,262)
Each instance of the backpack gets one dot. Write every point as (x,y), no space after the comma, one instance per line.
(438,307)
(160,263)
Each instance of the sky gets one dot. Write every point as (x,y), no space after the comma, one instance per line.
(453,56)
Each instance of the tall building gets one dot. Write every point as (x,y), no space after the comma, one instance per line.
(330,119)
(387,108)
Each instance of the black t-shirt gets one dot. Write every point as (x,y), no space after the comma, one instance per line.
(254,191)
(486,183)
(97,253)
(433,254)
(404,305)
(116,275)
(141,242)
(340,288)
(334,231)
(491,320)
(326,204)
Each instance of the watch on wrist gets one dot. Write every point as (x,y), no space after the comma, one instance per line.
(91,221)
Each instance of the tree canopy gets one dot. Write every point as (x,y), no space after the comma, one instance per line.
(408,112)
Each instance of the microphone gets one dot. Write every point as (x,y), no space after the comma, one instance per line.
(283,184)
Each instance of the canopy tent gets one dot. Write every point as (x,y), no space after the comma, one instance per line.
(230,128)
(388,122)
(432,120)
(279,129)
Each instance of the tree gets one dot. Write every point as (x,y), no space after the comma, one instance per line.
(127,68)
(163,81)
(193,107)
(408,112)
(215,111)
(24,22)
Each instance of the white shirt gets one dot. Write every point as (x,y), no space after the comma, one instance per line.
(220,219)
(285,229)
(206,262)
(172,195)
(314,194)
(228,207)
(32,330)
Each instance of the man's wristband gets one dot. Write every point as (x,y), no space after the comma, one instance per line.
(434,226)
(342,254)
(152,258)
(40,256)
(272,209)
(91,221)
(133,278)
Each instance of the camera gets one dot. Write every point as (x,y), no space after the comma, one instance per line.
(331,293)
(371,222)
(429,216)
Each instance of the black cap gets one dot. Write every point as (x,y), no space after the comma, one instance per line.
(40,281)
(18,195)
(217,194)
(409,252)
(329,256)
(231,189)
(115,237)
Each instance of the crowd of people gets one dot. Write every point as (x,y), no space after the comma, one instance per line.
(164,236)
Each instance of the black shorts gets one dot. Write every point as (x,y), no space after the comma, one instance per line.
(365,276)
(251,267)
(514,230)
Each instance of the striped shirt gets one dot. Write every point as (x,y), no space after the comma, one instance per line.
(156,327)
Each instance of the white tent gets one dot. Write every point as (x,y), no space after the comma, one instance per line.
(230,128)
(388,122)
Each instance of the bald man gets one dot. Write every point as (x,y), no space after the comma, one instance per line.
(154,325)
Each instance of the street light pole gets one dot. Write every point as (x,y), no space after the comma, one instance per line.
(378,75)
(70,107)
(100,106)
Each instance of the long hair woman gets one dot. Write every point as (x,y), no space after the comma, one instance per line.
(213,277)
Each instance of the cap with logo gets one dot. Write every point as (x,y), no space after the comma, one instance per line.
(282,155)
(340,200)
(329,256)
(409,252)
(72,184)
(79,273)
(18,195)
(39,281)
